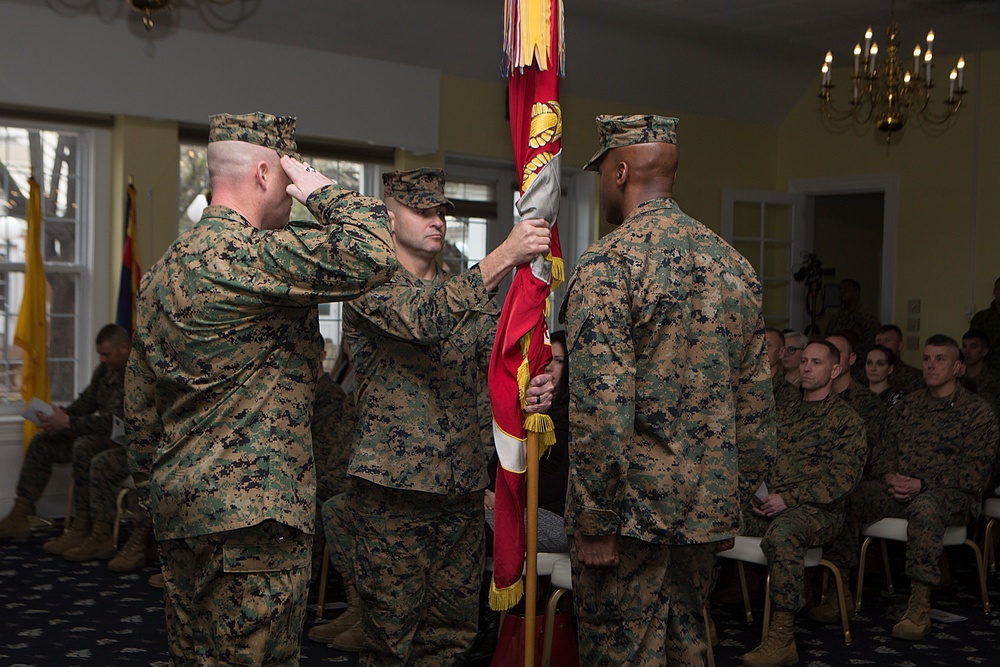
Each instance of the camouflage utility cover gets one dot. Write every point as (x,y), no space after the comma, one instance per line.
(260,129)
(418,188)
(617,131)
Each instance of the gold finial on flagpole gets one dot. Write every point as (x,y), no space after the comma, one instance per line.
(131,180)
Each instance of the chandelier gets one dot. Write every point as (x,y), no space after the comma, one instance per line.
(889,91)
(149,7)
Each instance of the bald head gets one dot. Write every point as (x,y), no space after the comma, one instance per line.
(234,161)
(632,175)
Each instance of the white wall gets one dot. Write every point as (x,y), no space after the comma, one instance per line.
(81,63)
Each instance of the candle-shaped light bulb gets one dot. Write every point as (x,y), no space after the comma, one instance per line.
(906,79)
(951,84)
(857,58)
(871,62)
(930,39)
(916,58)
(826,74)
(829,57)
(927,60)
(961,73)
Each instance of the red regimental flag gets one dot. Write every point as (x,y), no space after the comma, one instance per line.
(533,57)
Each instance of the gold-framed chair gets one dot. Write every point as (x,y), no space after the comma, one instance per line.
(894,528)
(747,550)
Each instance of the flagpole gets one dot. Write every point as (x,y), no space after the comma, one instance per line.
(531,549)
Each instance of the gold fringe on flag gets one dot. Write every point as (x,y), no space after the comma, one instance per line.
(502,599)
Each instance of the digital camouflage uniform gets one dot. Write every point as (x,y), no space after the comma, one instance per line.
(108,471)
(421,351)
(821,453)
(910,378)
(988,321)
(948,444)
(334,433)
(784,391)
(89,434)
(670,420)
(871,409)
(220,392)
(986,385)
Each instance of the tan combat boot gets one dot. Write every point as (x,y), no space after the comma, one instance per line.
(327,633)
(98,545)
(132,556)
(351,640)
(74,537)
(916,622)
(16,526)
(778,649)
(829,610)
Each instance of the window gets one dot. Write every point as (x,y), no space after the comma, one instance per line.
(466,239)
(57,156)
(193,192)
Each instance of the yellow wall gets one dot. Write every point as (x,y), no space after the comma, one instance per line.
(948,192)
(715,154)
(147,151)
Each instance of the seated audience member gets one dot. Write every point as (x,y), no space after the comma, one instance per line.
(782,389)
(909,378)
(988,321)
(795,342)
(76,433)
(879,367)
(108,471)
(855,394)
(934,460)
(821,452)
(978,377)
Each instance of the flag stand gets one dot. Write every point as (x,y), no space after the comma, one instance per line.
(531,548)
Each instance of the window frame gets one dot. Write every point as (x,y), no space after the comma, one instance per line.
(94,218)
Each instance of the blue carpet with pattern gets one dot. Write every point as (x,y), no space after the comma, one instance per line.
(66,614)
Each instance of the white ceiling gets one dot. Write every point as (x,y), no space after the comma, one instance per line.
(740,59)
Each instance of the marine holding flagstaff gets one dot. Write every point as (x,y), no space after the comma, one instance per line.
(670,407)
(421,347)
(220,388)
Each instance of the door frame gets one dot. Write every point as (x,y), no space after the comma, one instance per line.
(885,184)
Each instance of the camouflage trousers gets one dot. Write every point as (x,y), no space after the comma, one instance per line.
(338,531)
(47,449)
(927,515)
(107,472)
(236,597)
(785,540)
(418,570)
(646,611)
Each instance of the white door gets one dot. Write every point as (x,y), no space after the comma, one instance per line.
(768,229)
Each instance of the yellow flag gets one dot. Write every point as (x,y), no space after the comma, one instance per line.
(32,333)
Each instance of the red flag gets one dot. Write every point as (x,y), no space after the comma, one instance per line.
(533,57)
(128,285)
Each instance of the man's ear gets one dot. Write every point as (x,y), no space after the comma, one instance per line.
(621,173)
(261,174)
(392,221)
